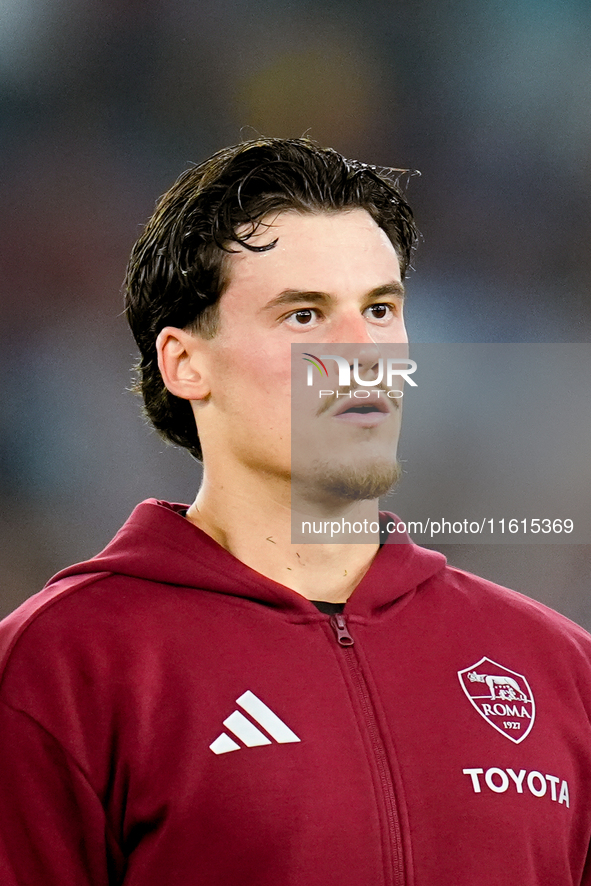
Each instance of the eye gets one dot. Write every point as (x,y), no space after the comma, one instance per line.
(302,318)
(380,312)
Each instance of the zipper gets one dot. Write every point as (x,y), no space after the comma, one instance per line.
(338,623)
(339,626)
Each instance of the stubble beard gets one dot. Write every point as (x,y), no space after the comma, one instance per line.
(334,484)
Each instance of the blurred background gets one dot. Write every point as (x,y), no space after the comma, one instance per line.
(103,104)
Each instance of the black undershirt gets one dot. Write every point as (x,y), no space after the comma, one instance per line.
(328,608)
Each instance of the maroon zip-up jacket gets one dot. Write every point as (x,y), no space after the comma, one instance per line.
(169,716)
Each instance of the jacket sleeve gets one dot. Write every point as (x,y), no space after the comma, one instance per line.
(53,828)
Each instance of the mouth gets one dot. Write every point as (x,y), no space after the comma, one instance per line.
(366,413)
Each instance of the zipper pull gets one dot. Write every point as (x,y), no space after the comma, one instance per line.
(339,626)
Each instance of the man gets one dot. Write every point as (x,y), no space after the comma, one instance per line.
(206,702)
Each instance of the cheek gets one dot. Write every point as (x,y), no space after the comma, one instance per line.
(251,380)
(395,334)
(234,365)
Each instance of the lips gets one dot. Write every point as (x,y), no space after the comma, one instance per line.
(363,412)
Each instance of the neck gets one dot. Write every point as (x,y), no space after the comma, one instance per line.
(253,521)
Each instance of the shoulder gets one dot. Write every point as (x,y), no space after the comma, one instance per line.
(88,623)
(45,607)
(500,609)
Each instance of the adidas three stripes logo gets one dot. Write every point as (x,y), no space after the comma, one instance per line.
(246,731)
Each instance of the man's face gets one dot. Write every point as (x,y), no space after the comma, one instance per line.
(332,278)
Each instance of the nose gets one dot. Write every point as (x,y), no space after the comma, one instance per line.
(367,356)
(355,343)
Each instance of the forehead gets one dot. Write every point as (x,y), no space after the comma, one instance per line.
(328,251)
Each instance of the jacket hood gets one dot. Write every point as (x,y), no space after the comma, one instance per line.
(158,544)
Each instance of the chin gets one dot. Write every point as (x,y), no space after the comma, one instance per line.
(349,483)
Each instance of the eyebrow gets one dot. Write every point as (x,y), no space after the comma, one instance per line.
(300,296)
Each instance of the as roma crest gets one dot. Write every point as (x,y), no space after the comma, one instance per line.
(503,697)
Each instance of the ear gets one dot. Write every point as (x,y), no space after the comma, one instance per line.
(182,362)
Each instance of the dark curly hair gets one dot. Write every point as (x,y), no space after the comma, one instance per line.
(178,269)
